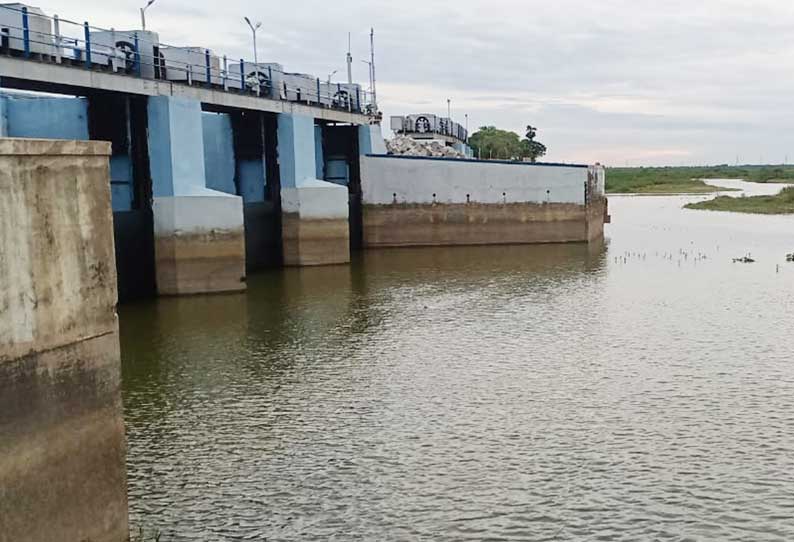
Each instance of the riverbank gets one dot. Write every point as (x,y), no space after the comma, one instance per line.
(689,180)
(778,204)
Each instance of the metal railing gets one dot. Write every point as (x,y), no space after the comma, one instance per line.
(29,33)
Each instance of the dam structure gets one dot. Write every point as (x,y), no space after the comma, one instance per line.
(420,201)
(209,156)
(221,167)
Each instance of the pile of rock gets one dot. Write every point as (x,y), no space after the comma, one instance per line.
(405,146)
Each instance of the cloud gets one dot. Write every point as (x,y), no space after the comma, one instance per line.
(617,80)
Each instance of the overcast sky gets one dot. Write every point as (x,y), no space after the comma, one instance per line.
(617,81)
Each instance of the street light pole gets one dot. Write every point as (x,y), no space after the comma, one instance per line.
(254,28)
(449,116)
(369,65)
(331,75)
(143,13)
(467,128)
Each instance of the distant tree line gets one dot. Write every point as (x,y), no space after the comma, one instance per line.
(491,143)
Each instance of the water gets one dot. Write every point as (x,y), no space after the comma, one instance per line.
(639,391)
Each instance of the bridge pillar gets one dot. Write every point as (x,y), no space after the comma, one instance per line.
(314,219)
(370,139)
(199,232)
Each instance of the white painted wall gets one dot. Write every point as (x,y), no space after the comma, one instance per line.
(193,214)
(417,180)
(316,199)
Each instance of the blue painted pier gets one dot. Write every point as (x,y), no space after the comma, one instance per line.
(219,167)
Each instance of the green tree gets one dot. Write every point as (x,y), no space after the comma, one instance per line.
(491,143)
(532,149)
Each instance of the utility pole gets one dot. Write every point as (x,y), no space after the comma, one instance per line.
(372,69)
(349,62)
(466,116)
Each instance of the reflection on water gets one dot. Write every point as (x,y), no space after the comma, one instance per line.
(639,390)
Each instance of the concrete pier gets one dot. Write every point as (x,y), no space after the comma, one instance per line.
(429,201)
(199,232)
(62,445)
(314,221)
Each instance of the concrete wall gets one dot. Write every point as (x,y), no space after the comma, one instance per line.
(199,244)
(62,447)
(46,117)
(416,180)
(427,201)
(370,139)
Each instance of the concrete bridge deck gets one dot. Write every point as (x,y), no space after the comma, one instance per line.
(42,76)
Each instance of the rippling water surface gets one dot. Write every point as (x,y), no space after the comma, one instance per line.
(642,390)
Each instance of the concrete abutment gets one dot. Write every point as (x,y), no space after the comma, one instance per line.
(62,444)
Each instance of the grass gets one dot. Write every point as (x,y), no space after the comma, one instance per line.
(779,204)
(674,180)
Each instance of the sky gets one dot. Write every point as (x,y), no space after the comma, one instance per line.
(620,82)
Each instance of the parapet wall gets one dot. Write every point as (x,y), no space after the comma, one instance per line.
(62,446)
(409,201)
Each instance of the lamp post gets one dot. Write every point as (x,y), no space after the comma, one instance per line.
(254,28)
(369,65)
(331,75)
(449,116)
(466,116)
(143,13)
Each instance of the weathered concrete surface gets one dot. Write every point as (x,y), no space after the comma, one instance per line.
(473,224)
(199,244)
(62,472)
(597,216)
(409,201)
(314,224)
(314,241)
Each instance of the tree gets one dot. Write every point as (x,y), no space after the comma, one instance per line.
(491,143)
(533,149)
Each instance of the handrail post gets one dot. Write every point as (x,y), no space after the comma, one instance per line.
(319,101)
(137,55)
(25,32)
(225,73)
(87,45)
(209,70)
(57,27)
(112,50)
(189,74)
(358,99)
(242,74)
(270,90)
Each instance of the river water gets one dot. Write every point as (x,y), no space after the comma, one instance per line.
(643,390)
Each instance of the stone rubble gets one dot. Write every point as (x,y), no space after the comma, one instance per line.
(405,146)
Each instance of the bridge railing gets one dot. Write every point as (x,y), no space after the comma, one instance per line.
(29,33)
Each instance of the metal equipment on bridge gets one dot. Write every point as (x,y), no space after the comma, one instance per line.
(428,126)
(27,32)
